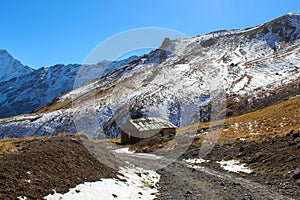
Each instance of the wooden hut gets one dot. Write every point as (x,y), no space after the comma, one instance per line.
(134,130)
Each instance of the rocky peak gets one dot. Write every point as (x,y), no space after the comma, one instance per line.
(10,67)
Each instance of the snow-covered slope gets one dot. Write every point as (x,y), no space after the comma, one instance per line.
(175,82)
(25,93)
(10,67)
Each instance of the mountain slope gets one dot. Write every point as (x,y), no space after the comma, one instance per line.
(25,93)
(10,67)
(248,67)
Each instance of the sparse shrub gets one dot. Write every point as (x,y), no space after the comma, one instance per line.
(7,147)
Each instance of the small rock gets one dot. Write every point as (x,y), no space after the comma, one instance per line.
(292,143)
(140,193)
(295,135)
(123,180)
(241,154)
(77,191)
(291,158)
(114,195)
(139,174)
(291,132)
(241,149)
(189,192)
(297,140)
(296,174)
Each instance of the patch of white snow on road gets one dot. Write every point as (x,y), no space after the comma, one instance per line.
(234,166)
(195,166)
(196,160)
(139,184)
(141,155)
(124,150)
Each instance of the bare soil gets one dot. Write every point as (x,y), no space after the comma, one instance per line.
(44,165)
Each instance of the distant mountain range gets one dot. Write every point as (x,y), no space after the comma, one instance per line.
(23,89)
(256,67)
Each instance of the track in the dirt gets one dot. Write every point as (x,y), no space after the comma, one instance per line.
(178,181)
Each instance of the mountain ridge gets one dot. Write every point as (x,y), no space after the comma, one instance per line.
(11,67)
(39,87)
(177,81)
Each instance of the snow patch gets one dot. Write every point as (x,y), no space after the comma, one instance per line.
(139,184)
(234,166)
(196,160)
(293,13)
(195,166)
(124,150)
(137,155)
(182,67)
(28,181)
(240,85)
(294,97)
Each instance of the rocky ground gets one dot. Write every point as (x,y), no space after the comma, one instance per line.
(40,166)
(274,164)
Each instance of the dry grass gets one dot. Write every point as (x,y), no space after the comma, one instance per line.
(273,121)
(113,140)
(7,146)
(55,106)
(81,135)
(12,145)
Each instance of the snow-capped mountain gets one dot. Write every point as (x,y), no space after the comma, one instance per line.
(184,81)
(27,92)
(10,67)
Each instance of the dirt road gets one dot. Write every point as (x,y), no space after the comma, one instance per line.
(180,181)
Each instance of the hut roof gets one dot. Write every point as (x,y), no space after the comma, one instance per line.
(154,123)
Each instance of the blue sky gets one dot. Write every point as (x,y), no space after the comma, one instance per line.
(47,32)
